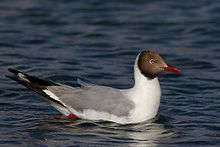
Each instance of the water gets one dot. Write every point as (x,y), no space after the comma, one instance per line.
(98,40)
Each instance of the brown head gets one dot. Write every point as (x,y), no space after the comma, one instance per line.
(151,64)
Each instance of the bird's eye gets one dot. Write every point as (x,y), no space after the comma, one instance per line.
(152,61)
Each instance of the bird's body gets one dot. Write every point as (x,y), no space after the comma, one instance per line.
(94,102)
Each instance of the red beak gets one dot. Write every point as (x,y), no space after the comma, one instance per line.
(172,69)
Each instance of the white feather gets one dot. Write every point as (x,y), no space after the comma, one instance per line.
(52,95)
(23,77)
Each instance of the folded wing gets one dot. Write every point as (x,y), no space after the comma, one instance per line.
(66,98)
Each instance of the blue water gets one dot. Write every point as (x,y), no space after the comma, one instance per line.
(99,40)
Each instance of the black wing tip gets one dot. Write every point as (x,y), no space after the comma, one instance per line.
(35,84)
(14,74)
(32,79)
(13,70)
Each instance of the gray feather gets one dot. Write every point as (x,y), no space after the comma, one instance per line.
(99,98)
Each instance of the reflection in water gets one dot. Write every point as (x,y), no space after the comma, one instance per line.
(84,132)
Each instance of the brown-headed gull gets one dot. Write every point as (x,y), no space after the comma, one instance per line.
(94,102)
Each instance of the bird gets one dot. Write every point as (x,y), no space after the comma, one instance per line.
(96,102)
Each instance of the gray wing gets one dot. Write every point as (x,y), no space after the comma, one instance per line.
(99,98)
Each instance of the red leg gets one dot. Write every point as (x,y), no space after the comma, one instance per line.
(71,116)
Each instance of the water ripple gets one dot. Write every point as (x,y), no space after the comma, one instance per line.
(99,41)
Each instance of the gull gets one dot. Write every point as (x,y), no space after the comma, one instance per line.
(96,102)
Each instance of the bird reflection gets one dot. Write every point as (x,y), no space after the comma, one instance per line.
(66,132)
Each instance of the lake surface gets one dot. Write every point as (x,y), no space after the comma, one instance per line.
(98,41)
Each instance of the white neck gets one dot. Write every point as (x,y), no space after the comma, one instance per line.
(143,83)
(145,94)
